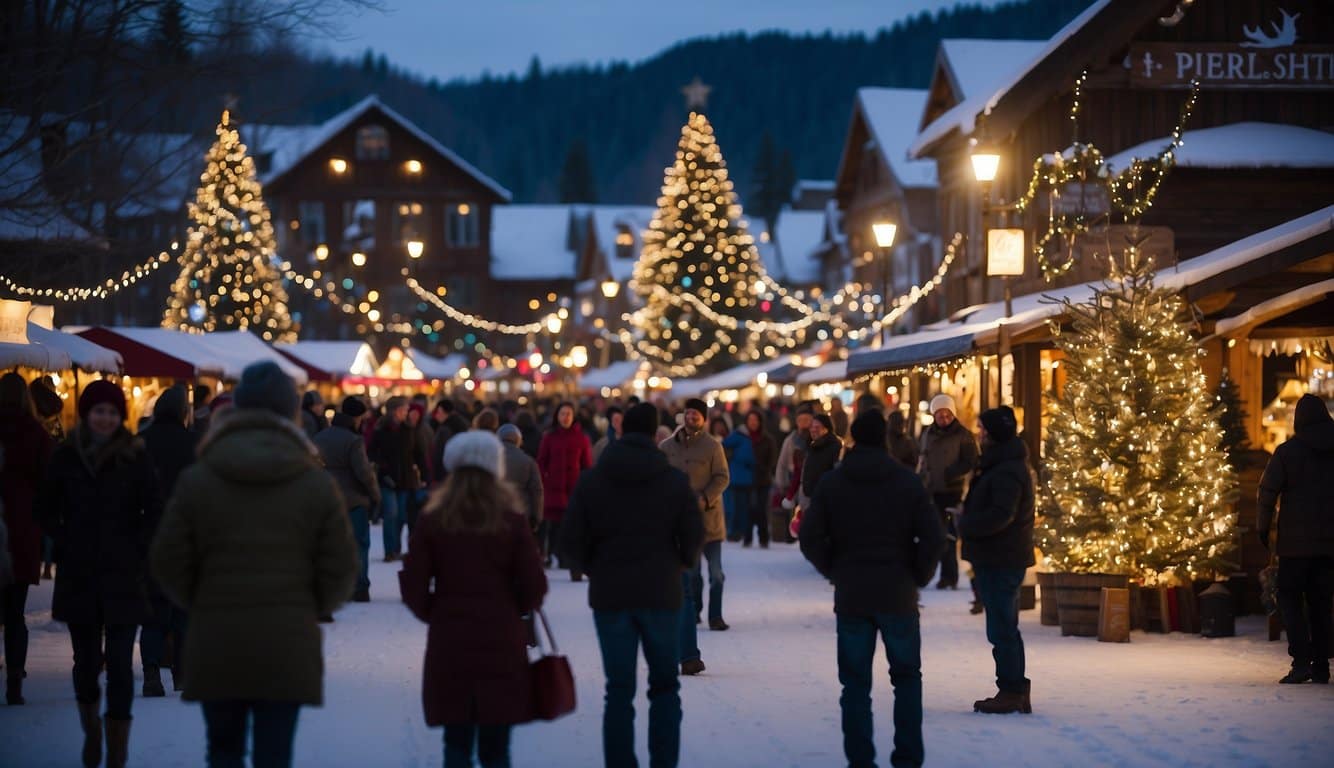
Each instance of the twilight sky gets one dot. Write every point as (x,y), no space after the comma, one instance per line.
(461,38)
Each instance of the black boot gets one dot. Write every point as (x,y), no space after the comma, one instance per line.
(14,689)
(178,679)
(118,742)
(92,733)
(1007,702)
(1300,673)
(153,682)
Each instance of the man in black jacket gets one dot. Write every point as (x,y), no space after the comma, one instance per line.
(633,525)
(871,529)
(947,458)
(1299,478)
(997,531)
(343,452)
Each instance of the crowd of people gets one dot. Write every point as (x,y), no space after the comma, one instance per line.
(224,534)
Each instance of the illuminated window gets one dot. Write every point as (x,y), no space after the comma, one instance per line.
(461,227)
(372,143)
(409,222)
(625,244)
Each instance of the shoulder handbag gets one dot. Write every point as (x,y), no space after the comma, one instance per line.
(551,679)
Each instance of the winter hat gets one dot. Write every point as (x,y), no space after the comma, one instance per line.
(353,407)
(943,401)
(641,419)
(99,392)
(508,433)
(824,420)
(695,404)
(475,448)
(867,401)
(264,386)
(170,406)
(44,399)
(869,429)
(1000,423)
(1310,411)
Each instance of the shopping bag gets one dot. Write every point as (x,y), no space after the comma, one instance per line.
(552,680)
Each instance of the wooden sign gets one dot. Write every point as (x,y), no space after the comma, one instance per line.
(1114,616)
(14,321)
(1089,199)
(1229,65)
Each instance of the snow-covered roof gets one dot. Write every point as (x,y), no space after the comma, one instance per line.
(821,185)
(963,116)
(440,368)
(1241,145)
(223,353)
(980,325)
(531,242)
(978,66)
(291,146)
(834,370)
(337,358)
(1275,307)
(892,117)
(83,354)
(617,374)
(608,222)
(797,236)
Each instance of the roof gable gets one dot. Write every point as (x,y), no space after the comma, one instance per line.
(886,118)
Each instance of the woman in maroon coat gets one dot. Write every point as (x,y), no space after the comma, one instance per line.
(563,454)
(25,449)
(473,543)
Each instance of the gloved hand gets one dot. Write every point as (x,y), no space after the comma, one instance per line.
(788,503)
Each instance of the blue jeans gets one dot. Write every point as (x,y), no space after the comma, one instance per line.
(168,619)
(902,636)
(998,589)
(492,742)
(713,552)
(394,506)
(729,512)
(111,647)
(226,724)
(689,643)
(620,634)
(361,531)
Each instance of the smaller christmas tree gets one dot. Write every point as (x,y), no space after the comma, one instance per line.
(1135,479)
(1232,420)
(228,280)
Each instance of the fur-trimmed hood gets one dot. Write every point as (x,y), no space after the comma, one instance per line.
(256,447)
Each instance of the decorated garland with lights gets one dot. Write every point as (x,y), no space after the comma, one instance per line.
(1135,480)
(228,280)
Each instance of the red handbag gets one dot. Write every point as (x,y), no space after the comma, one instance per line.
(552,680)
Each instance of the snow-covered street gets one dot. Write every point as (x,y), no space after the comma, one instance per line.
(770,695)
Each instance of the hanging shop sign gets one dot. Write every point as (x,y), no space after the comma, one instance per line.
(14,321)
(1269,54)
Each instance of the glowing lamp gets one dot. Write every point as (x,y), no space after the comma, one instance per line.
(416,248)
(884,234)
(610,288)
(358,259)
(321,252)
(553,324)
(986,163)
(413,167)
(338,165)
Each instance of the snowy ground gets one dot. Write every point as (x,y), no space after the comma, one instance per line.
(770,695)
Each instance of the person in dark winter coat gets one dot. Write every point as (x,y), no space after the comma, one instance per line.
(523,474)
(902,448)
(256,546)
(753,500)
(564,453)
(172,448)
(997,531)
(634,526)
(454,424)
(947,459)
(400,463)
(26,449)
(343,453)
(872,530)
(614,416)
(532,436)
(1298,484)
(100,502)
(471,571)
(313,420)
(822,453)
(740,452)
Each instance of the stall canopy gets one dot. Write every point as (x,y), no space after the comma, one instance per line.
(834,370)
(83,354)
(153,352)
(439,368)
(332,360)
(927,346)
(616,375)
(740,377)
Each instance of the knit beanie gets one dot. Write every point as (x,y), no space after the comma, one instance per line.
(353,406)
(943,401)
(641,419)
(508,433)
(310,398)
(99,392)
(868,429)
(696,404)
(264,386)
(475,448)
(1310,411)
(170,406)
(1000,423)
(44,399)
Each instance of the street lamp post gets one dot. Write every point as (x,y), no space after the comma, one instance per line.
(884,232)
(1003,248)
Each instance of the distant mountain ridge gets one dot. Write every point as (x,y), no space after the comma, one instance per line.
(799,89)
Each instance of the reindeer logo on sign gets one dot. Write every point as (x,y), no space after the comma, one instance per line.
(1284,34)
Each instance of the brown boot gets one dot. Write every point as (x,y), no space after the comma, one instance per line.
(92,733)
(1006,702)
(118,742)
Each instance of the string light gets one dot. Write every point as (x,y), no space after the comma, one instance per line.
(102,290)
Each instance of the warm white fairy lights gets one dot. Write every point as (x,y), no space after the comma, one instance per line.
(102,290)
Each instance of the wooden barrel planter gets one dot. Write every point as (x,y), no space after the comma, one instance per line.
(1047,600)
(1077,599)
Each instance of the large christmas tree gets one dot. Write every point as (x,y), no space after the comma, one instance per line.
(1135,480)
(699,274)
(228,280)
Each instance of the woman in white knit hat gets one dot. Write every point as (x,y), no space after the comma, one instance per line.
(471,571)
(948,456)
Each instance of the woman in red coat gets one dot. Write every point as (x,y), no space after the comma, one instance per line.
(563,454)
(25,449)
(473,543)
